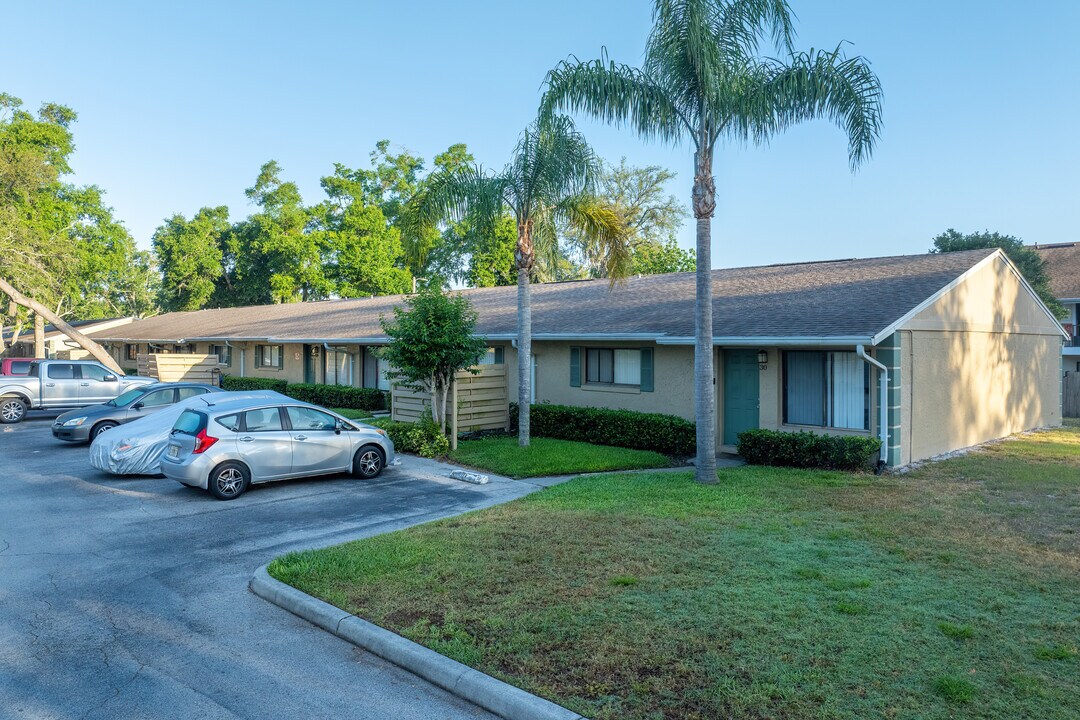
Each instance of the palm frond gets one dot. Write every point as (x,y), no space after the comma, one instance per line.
(603,228)
(466,193)
(617,94)
(819,84)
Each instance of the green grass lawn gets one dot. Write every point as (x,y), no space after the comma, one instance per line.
(546,456)
(353,414)
(949,592)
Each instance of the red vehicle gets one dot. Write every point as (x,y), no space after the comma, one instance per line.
(15,366)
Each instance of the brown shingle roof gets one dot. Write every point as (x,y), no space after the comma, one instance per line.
(1063,266)
(834,299)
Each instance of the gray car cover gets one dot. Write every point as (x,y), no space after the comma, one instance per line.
(136,448)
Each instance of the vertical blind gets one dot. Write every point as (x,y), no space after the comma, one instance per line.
(826,389)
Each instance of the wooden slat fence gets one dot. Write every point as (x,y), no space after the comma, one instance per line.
(476,402)
(1070,395)
(174,367)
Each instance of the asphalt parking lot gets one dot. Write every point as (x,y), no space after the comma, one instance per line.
(127,597)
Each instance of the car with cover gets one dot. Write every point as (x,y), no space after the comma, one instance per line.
(227,447)
(15,366)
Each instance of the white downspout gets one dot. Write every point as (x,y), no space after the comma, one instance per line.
(883,405)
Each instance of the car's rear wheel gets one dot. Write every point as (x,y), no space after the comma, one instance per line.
(100,428)
(368,461)
(229,480)
(12,410)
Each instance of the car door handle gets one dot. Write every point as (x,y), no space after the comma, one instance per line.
(301,437)
(85,384)
(50,384)
(246,439)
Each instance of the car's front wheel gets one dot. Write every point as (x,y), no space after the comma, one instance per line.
(100,428)
(229,480)
(368,462)
(12,410)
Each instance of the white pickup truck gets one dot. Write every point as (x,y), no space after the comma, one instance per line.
(61,384)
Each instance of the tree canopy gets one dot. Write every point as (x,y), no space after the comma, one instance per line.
(1026,259)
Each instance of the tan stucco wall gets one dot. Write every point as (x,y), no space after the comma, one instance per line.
(981,363)
(969,387)
(673,375)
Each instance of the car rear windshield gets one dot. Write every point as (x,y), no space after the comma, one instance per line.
(20,367)
(189,423)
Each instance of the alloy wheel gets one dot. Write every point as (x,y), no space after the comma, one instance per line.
(370,462)
(12,411)
(229,481)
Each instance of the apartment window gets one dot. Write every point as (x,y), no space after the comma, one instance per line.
(338,368)
(606,366)
(131,352)
(382,374)
(493,356)
(223,352)
(187,349)
(826,389)
(268,356)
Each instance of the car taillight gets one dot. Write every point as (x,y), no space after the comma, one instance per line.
(203,442)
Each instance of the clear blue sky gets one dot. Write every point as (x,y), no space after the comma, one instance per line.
(180,103)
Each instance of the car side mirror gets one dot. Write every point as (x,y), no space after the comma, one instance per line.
(338,425)
(109,378)
(137,406)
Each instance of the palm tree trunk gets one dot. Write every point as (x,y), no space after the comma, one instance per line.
(524,351)
(704,198)
(86,343)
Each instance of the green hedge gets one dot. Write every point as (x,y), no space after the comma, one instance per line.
(667,434)
(421,438)
(808,450)
(340,396)
(231,382)
(336,396)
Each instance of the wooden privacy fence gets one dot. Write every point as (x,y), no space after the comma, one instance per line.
(1070,395)
(174,367)
(476,402)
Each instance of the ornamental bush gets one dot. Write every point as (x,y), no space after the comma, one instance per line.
(423,438)
(808,450)
(232,382)
(338,396)
(666,434)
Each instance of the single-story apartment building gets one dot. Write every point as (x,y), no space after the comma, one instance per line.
(59,345)
(930,352)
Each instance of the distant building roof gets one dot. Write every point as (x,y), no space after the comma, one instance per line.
(832,299)
(1063,266)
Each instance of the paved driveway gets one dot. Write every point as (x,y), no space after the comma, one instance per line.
(127,597)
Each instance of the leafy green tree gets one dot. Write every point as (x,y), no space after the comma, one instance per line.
(1027,260)
(190,257)
(551,179)
(655,258)
(704,80)
(431,339)
(652,216)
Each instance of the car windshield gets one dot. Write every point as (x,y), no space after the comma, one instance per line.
(124,399)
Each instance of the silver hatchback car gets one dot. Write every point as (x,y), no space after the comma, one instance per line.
(227,446)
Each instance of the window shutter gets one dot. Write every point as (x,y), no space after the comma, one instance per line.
(499,355)
(281,357)
(575,367)
(646,370)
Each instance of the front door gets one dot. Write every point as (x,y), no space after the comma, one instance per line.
(309,365)
(740,393)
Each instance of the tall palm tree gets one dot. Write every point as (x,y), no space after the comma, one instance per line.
(703,80)
(549,183)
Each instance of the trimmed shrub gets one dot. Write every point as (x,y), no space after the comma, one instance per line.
(232,382)
(666,434)
(421,438)
(807,450)
(338,396)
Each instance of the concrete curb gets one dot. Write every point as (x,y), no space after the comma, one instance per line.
(493,695)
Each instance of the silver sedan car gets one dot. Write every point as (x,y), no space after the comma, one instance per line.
(228,446)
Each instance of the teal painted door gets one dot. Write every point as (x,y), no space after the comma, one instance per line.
(309,365)
(740,393)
